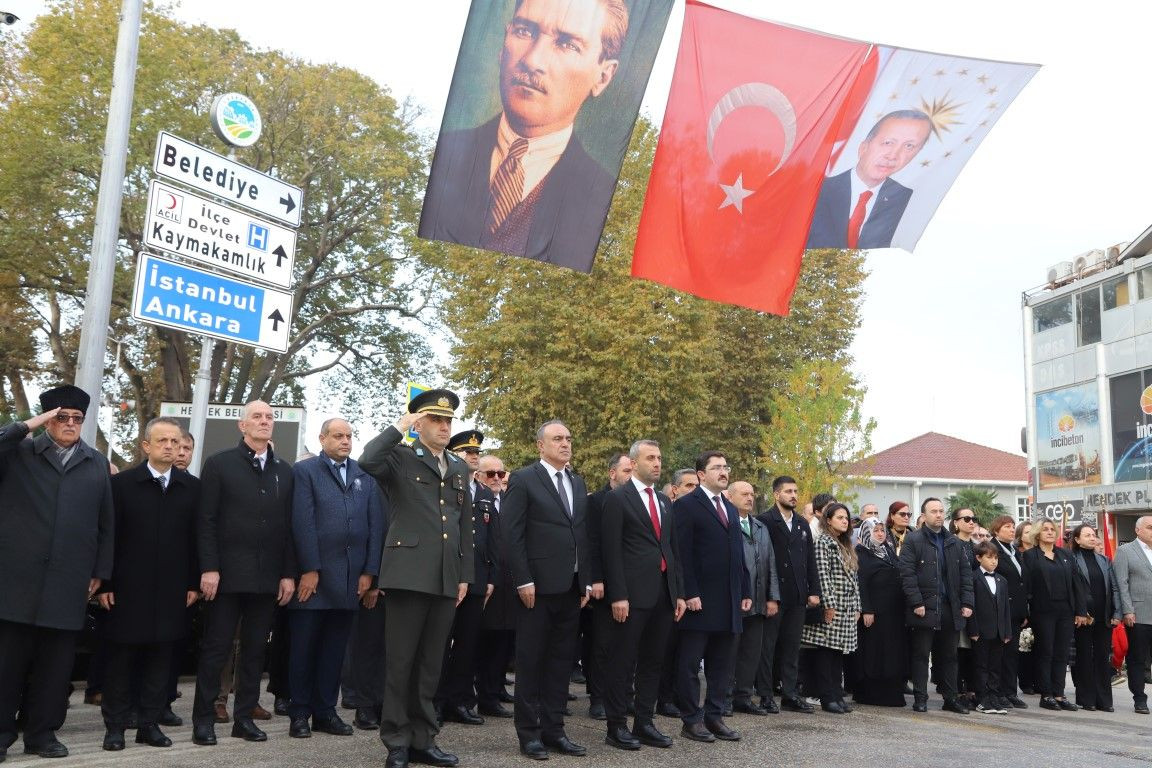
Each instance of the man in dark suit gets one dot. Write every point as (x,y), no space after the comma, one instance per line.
(456,696)
(717,593)
(861,207)
(522,183)
(544,516)
(155,577)
(760,562)
(56,538)
(799,590)
(338,528)
(498,622)
(644,593)
(425,571)
(247,564)
(1011,566)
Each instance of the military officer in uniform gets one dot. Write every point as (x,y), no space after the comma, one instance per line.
(425,571)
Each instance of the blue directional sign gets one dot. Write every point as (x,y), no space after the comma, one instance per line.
(188,299)
(413,390)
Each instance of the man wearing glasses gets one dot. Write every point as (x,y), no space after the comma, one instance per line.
(498,631)
(56,524)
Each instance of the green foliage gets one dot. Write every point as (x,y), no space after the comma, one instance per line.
(982,503)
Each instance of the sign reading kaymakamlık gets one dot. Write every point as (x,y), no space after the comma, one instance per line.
(189,299)
(197,228)
(203,169)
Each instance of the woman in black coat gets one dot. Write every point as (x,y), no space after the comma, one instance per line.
(882,658)
(1092,672)
(1056,605)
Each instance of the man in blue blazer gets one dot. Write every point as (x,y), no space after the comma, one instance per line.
(338,529)
(717,592)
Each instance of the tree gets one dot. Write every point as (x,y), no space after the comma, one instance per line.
(982,503)
(330,130)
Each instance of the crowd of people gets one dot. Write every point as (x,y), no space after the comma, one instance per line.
(412,580)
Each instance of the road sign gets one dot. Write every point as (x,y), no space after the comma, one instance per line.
(203,169)
(220,427)
(189,299)
(201,229)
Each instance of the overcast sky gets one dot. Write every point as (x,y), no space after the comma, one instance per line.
(1063,172)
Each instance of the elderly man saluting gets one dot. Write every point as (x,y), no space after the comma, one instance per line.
(56,525)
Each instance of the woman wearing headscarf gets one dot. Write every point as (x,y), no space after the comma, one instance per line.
(835,637)
(882,659)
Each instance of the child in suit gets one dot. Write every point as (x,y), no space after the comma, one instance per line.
(990,628)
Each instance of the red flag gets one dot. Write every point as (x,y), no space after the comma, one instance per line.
(752,116)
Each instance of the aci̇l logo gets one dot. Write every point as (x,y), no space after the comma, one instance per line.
(236,120)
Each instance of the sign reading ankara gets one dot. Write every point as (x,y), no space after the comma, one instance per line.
(203,169)
(197,228)
(189,299)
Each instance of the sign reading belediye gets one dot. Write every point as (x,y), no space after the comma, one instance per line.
(200,229)
(189,299)
(203,169)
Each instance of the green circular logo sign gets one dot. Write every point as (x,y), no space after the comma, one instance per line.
(236,120)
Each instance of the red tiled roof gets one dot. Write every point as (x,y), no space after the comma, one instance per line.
(936,455)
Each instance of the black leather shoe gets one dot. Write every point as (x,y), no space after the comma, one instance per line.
(846,706)
(1140,709)
(668,709)
(1048,702)
(721,731)
(920,704)
(299,728)
(50,748)
(770,706)
(596,711)
(397,757)
(749,708)
(697,732)
(955,705)
(113,740)
(1066,705)
(621,738)
(1087,707)
(170,718)
(334,726)
(571,697)
(565,746)
(1107,709)
(494,710)
(797,705)
(366,719)
(1017,702)
(204,735)
(280,706)
(247,730)
(648,735)
(834,707)
(432,756)
(506,697)
(462,714)
(534,750)
(152,736)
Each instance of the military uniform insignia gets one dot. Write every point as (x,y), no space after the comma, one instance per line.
(419,451)
(487,518)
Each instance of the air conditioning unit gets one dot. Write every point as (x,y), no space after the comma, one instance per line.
(1089,262)
(1059,273)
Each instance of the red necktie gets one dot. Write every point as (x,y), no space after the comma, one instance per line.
(655,523)
(857,219)
(720,511)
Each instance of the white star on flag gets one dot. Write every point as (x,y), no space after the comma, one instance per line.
(734,194)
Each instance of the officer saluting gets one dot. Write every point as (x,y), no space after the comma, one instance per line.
(425,571)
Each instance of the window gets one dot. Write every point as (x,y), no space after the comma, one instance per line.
(1088,315)
(1023,509)
(1052,314)
(1144,283)
(1115,292)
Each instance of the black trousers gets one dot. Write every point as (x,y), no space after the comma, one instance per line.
(363,680)
(940,646)
(546,643)
(781,653)
(1053,632)
(634,647)
(749,653)
(717,650)
(987,662)
(1092,674)
(595,624)
(254,613)
(497,646)
(318,639)
(668,676)
(35,668)
(1139,649)
(1010,666)
(459,671)
(827,674)
(417,629)
(279,655)
(150,663)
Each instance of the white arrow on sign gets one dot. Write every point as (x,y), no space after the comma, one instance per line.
(206,231)
(203,169)
(177,296)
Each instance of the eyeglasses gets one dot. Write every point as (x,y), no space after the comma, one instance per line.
(719,468)
(902,514)
(65,418)
(966,519)
(491,473)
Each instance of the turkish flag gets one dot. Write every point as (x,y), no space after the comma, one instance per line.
(754,111)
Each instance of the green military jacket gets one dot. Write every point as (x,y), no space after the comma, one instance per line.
(428,547)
